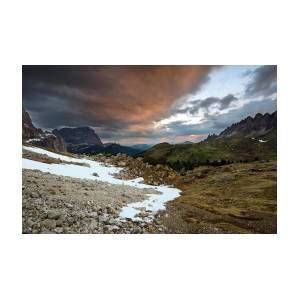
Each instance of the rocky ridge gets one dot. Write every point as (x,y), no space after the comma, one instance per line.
(37,137)
(252,127)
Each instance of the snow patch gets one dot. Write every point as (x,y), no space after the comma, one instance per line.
(33,140)
(154,203)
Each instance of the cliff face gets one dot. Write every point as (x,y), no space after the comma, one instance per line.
(39,138)
(78,136)
(28,130)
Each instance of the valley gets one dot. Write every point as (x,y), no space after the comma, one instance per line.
(226,182)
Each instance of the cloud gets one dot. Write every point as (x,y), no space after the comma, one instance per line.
(215,123)
(126,103)
(263,82)
(194,106)
(110,97)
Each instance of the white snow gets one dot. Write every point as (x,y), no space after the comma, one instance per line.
(34,140)
(154,203)
(261,141)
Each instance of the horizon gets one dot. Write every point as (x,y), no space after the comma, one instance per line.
(148,104)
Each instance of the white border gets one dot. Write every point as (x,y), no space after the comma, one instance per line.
(149,267)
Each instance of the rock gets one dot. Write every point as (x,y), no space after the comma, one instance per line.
(95,174)
(112,221)
(111,228)
(103,219)
(93,214)
(30,223)
(110,210)
(59,223)
(48,223)
(93,224)
(54,214)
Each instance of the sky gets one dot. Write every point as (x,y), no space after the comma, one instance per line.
(148,104)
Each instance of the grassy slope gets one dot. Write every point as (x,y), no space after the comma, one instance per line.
(240,198)
(235,148)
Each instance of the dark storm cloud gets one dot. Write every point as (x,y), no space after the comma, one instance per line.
(196,105)
(109,97)
(263,82)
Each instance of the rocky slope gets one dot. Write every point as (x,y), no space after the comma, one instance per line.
(63,204)
(58,204)
(37,137)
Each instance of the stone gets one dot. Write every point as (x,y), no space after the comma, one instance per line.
(112,228)
(93,224)
(30,223)
(59,230)
(93,214)
(110,210)
(54,214)
(59,223)
(48,223)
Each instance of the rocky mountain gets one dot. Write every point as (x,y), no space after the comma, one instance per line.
(248,140)
(252,127)
(28,130)
(37,137)
(78,136)
(84,140)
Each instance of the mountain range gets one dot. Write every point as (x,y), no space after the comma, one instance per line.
(80,140)
(253,138)
(248,140)
(84,140)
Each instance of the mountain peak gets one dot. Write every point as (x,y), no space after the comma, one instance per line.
(259,125)
(78,135)
(37,137)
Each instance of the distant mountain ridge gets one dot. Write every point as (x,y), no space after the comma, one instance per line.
(248,140)
(110,148)
(141,147)
(252,127)
(84,140)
